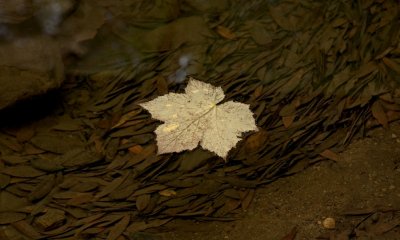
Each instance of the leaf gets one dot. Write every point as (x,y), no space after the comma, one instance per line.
(247,199)
(140,226)
(379,114)
(167,193)
(142,202)
(136,149)
(25,134)
(79,157)
(288,120)
(195,117)
(291,235)
(47,165)
(22,171)
(392,64)
(194,159)
(27,229)
(43,188)
(225,32)
(125,118)
(329,154)
(10,217)
(111,187)
(119,228)
(11,202)
(4,180)
(56,143)
(80,198)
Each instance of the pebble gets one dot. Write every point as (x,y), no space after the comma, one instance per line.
(329,223)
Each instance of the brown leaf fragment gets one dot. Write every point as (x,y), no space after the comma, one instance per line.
(229,206)
(68,124)
(22,171)
(11,143)
(57,143)
(232,193)
(329,154)
(28,230)
(291,235)
(337,22)
(248,199)
(79,157)
(117,230)
(298,166)
(14,159)
(167,193)
(257,92)
(143,225)
(104,221)
(260,34)
(179,202)
(118,162)
(111,186)
(43,188)
(51,219)
(142,202)
(4,180)
(79,199)
(149,189)
(11,202)
(288,120)
(10,217)
(379,114)
(388,98)
(225,32)
(89,219)
(136,149)
(393,115)
(93,231)
(65,195)
(255,141)
(32,150)
(162,85)
(367,69)
(193,159)
(123,193)
(25,134)
(62,230)
(85,186)
(137,158)
(46,164)
(384,227)
(392,64)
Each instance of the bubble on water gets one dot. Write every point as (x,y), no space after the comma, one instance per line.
(51,17)
(4,31)
(179,76)
(184,61)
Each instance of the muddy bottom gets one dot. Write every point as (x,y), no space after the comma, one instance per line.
(360,192)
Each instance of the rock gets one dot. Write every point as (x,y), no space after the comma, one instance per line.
(329,223)
(15,11)
(29,66)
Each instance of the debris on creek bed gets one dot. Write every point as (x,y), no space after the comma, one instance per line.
(316,75)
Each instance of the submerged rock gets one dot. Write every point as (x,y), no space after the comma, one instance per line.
(29,66)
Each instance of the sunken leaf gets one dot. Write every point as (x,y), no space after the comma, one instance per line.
(194,117)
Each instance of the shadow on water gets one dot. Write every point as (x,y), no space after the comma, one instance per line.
(32,109)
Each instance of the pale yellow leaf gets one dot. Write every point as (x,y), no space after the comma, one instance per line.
(194,118)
